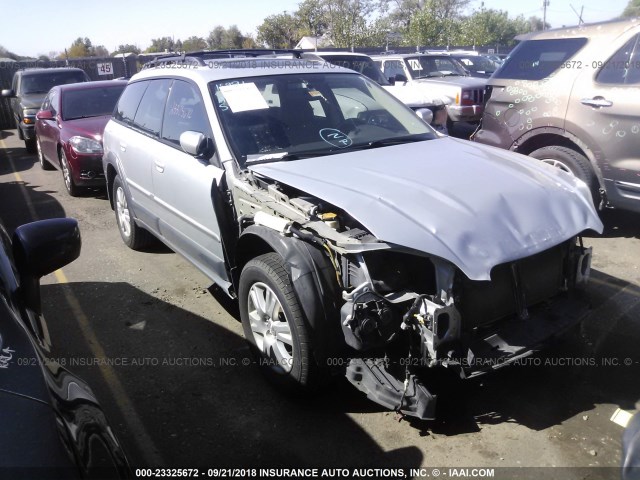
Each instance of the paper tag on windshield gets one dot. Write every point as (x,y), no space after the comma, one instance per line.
(243,97)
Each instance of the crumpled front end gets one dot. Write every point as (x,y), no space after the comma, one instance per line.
(452,255)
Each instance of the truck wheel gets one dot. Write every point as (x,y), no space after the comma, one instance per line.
(569,161)
(133,236)
(274,325)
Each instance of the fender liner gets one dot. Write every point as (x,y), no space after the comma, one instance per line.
(314,281)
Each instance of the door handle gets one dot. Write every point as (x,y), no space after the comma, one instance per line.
(123,147)
(159,166)
(596,102)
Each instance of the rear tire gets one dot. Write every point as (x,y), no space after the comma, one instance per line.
(133,236)
(275,327)
(571,162)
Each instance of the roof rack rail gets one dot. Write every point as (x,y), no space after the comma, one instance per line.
(199,58)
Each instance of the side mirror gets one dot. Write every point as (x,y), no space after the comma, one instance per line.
(44,115)
(45,246)
(197,144)
(392,80)
(7,93)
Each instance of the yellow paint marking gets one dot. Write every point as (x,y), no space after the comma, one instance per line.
(143,439)
(149,450)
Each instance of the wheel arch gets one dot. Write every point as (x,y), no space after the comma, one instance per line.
(110,176)
(552,136)
(312,277)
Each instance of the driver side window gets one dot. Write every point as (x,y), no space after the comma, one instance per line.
(184,111)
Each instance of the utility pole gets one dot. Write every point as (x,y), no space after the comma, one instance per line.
(580,21)
(545,4)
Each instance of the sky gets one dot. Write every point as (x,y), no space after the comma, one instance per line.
(39,27)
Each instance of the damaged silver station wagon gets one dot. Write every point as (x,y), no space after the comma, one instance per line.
(357,240)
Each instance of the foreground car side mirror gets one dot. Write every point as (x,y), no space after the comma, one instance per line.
(44,115)
(197,144)
(45,246)
(7,93)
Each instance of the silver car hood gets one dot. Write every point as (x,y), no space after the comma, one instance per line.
(473,205)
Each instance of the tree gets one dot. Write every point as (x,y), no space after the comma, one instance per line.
(279,31)
(99,51)
(193,44)
(81,47)
(162,44)
(311,17)
(4,53)
(632,10)
(126,48)
(350,25)
(225,38)
(438,22)
(488,27)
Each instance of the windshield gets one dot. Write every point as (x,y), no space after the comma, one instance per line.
(363,65)
(43,82)
(90,102)
(287,117)
(478,64)
(430,66)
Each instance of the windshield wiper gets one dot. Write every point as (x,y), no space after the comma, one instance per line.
(387,142)
(285,157)
(84,116)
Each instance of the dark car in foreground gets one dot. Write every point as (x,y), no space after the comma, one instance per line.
(69,130)
(27,91)
(52,424)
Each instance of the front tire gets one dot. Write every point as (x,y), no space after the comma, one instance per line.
(571,162)
(274,325)
(67,175)
(43,162)
(133,236)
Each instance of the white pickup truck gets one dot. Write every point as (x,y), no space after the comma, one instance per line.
(428,105)
(440,76)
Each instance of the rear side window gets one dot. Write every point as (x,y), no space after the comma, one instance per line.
(623,68)
(129,101)
(151,108)
(184,111)
(537,59)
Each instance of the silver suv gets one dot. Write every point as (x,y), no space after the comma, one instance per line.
(356,239)
(571,98)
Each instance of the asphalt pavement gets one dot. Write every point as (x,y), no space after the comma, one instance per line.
(168,361)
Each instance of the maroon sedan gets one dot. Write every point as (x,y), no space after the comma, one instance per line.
(69,130)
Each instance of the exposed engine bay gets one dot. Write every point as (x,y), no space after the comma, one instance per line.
(403,311)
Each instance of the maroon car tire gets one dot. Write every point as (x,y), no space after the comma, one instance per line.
(44,164)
